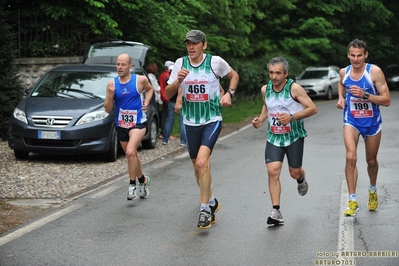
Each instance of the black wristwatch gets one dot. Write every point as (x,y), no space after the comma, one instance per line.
(366,95)
(292,117)
(231,92)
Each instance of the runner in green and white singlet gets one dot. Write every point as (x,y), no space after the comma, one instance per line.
(196,78)
(286,105)
(282,102)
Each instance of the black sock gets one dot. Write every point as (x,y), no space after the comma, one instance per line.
(277,207)
(142,179)
(132,182)
(300,181)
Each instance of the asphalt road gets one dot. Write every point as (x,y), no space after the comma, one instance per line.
(102,228)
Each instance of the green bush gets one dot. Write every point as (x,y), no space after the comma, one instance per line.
(10,88)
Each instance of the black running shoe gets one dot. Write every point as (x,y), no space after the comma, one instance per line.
(204,219)
(214,209)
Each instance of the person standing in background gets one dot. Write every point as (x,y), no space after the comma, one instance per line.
(152,71)
(361,90)
(165,114)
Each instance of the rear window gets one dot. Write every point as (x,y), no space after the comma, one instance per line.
(115,50)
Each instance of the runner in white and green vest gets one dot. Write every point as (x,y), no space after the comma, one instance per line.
(286,104)
(197,79)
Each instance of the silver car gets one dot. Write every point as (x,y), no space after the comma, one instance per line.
(320,81)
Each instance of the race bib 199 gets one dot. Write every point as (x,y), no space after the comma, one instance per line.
(361,108)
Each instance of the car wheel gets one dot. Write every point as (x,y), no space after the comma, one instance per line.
(21,155)
(151,141)
(329,94)
(112,154)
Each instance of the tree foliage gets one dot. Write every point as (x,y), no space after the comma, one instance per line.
(247,33)
(10,88)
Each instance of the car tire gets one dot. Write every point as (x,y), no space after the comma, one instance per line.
(329,95)
(21,155)
(151,141)
(112,154)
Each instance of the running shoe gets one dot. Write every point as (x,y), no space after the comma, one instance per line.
(373,200)
(132,193)
(303,188)
(352,209)
(275,217)
(144,192)
(204,219)
(214,209)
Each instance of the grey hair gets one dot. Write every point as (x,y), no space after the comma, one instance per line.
(279,60)
(356,43)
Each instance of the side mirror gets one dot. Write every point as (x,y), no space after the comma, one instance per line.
(28,91)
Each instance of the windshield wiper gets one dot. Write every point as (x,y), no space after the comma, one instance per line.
(58,93)
(92,95)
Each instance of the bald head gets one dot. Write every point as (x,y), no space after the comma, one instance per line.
(125,58)
(123,65)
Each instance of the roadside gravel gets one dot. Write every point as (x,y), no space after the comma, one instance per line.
(58,177)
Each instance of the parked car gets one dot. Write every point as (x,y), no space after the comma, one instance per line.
(108,52)
(320,81)
(392,76)
(64,114)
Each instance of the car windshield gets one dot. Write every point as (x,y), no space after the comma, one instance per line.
(73,85)
(314,74)
(115,50)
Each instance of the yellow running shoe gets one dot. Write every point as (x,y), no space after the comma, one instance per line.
(373,200)
(352,209)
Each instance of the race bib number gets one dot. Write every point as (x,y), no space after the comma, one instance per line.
(197,93)
(361,108)
(276,127)
(127,118)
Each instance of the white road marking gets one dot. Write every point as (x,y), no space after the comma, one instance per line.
(235,132)
(30,227)
(105,192)
(345,230)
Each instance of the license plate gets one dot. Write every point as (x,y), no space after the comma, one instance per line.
(49,134)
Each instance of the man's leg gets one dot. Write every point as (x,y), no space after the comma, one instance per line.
(273,171)
(202,167)
(372,145)
(183,138)
(133,161)
(351,139)
(295,157)
(170,118)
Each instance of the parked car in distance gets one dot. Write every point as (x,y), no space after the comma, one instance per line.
(392,76)
(64,114)
(320,81)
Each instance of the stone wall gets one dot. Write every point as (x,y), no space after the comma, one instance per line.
(32,69)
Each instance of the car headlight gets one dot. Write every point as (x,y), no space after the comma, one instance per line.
(395,79)
(93,117)
(20,115)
